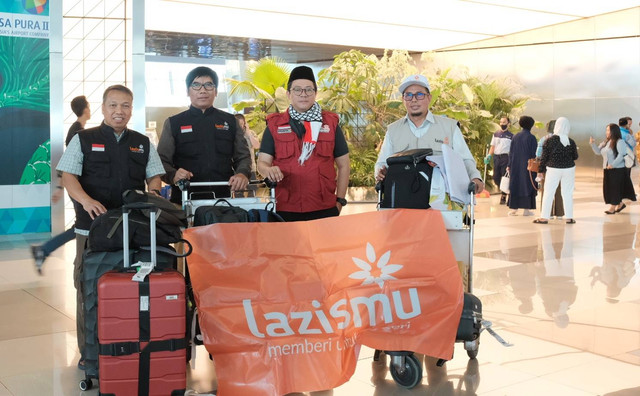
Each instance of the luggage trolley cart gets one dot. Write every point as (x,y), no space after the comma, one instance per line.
(404,367)
(189,205)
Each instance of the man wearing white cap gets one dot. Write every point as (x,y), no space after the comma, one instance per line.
(298,150)
(423,129)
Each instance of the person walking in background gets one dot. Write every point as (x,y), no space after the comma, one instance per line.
(522,193)
(615,183)
(500,146)
(557,162)
(557,208)
(627,136)
(252,142)
(80,107)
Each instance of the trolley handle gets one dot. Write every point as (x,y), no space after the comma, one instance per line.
(184,184)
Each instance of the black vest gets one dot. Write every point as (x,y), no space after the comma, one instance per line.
(204,145)
(110,167)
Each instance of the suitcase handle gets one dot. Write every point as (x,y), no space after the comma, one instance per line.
(138,205)
(125,229)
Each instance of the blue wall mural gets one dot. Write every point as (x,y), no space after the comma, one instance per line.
(24,116)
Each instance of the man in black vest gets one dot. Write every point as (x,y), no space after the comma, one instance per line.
(204,143)
(98,166)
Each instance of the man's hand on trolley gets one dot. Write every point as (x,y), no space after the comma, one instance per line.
(382,173)
(238,182)
(274,173)
(182,174)
(479,185)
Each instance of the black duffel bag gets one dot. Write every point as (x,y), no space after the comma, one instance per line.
(220,212)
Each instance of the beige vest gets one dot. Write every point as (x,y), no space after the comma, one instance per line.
(440,131)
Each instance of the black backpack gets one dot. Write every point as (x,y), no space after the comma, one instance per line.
(106,232)
(266,215)
(408,180)
(168,212)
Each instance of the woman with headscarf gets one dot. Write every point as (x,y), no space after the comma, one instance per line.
(522,193)
(615,184)
(557,161)
(557,209)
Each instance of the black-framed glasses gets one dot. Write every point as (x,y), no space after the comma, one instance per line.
(196,86)
(298,91)
(410,95)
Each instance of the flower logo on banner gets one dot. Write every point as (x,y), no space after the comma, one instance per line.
(377,275)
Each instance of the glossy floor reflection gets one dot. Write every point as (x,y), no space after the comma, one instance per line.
(566,296)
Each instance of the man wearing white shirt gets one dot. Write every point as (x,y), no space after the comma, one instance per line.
(420,128)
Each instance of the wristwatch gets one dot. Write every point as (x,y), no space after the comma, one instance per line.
(341,201)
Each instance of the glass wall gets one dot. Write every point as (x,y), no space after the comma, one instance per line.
(587,71)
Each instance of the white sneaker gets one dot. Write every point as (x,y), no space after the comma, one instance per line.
(527,212)
(513,212)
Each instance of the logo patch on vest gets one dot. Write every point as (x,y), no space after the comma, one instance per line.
(97,147)
(325,129)
(224,127)
(186,129)
(139,150)
(284,129)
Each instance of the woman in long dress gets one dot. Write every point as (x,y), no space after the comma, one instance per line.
(615,183)
(522,193)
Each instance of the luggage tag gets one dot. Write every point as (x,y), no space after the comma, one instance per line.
(144,269)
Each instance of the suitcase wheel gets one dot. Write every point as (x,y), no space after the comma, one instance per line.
(472,348)
(85,384)
(408,375)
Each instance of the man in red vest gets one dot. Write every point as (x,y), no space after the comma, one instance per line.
(298,150)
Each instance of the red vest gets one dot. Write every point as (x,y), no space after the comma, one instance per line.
(312,186)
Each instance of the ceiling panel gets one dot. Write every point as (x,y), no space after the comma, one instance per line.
(410,25)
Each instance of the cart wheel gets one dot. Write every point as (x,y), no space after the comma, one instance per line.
(411,375)
(472,348)
(86,384)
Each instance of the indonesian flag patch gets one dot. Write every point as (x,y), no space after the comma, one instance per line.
(97,147)
(186,129)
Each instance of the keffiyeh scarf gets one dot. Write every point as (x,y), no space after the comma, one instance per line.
(312,121)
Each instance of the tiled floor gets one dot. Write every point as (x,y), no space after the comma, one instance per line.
(566,296)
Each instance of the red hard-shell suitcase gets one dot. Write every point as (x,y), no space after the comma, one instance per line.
(142,331)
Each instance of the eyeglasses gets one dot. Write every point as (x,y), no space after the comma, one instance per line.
(196,86)
(298,91)
(418,95)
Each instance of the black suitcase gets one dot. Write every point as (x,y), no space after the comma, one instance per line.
(408,180)
(471,319)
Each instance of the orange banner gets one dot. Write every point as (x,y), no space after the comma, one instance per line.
(285,306)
